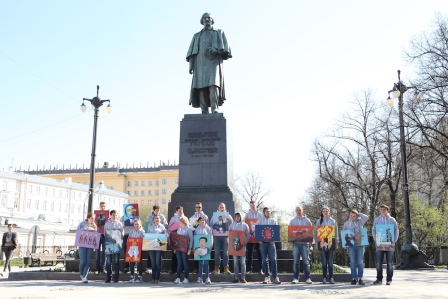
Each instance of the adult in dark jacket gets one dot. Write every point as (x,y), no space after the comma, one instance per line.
(9,243)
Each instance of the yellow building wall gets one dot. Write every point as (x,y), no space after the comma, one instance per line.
(144,188)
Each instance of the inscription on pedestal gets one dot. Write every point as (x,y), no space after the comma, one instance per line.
(202,145)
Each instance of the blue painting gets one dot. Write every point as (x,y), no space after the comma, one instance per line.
(202,247)
(385,236)
(114,240)
(130,214)
(267,233)
(354,237)
(220,224)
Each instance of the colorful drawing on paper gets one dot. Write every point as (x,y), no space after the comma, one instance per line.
(251,223)
(237,243)
(134,250)
(385,236)
(300,233)
(179,242)
(354,237)
(114,240)
(220,224)
(130,214)
(194,222)
(202,247)
(267,233)
(155,241)
(173,226)
(101,217)
(326,238)
(87,239)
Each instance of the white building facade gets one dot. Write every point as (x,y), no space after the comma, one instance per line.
(33,197)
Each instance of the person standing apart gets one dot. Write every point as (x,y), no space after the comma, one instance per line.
(384,218)
(327,255)
(239,262)
(182,257)
(203,265)
(301,249)
(156,255)
(9,243)
(356,253)
(137,232)
(100,258)
(86,253)
(113,225)
(268,250)
(253,214)
(222,244)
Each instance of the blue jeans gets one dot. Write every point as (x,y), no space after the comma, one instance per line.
(250,254)
(356,255)
(156,261)
(101,254)
(237,261)
(84,260)
(269,253)
(182,262)
(139,268)
(379,255)
(301,250)
(221,244)
(203,268)
(327,262)
(116,261)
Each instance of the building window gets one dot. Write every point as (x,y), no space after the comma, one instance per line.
(135,193)
(5,185)
(150,202)
(59,207)
(44,206)
(60,192)
(38,189)
(30,188)
(46,190)
(157,183)
(143,183)
(28,204)
(4,200)
(36,205)
(52,206)
(143,193)
(163,191)
(163,181)
(73,208)
(129,184)
(129,193)
(67,193)
(157,202)
(149,183)
(17,187)
(142,201)
(163,201)
(79,209)
(157,192)
(135,183)
(150,192)
(53,192)
(135,201)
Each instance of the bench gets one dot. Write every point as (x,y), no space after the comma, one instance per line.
(46,258)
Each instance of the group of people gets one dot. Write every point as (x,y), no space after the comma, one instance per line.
(267,264)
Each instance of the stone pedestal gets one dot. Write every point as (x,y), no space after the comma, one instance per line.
(205,165)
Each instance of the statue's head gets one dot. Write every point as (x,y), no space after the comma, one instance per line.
(205,16)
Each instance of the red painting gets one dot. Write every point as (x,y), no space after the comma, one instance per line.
(134,250)
(251,223)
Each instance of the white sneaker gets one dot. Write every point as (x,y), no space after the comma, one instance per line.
(185,281)
(277,280)
(148,271)
(295,280)
(208,281)
(131,279)
(308,281)
(266,280)
(199,280)
(324,281)
(84,280)
(332,280)
(177,280)
(139,279)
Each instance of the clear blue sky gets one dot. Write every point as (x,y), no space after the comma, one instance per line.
(295,67)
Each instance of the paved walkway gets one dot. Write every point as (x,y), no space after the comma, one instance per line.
(406,284)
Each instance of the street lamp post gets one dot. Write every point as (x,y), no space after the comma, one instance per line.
(96,103)
(410,257)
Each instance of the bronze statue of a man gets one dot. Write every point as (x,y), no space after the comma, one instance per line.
(207,51)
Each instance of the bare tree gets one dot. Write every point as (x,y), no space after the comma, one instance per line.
(251,187)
